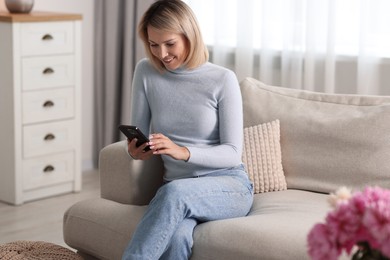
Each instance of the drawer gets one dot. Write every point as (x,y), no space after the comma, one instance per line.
(47,72)
(47,38)
(48,170)
(48,138)
(45,105)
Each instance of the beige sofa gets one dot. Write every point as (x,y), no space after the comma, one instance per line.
(326,141)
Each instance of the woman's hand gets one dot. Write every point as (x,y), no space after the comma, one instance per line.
(138,153)
(160,144)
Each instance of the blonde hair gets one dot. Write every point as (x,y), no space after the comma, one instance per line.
(177,17)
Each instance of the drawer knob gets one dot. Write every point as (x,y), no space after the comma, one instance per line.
(47,37)
(48,71)
(49,137)
(48,169)
(48,103)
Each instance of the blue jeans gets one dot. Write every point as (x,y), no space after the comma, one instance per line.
(165,231)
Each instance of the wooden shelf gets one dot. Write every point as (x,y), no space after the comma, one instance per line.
(36,16)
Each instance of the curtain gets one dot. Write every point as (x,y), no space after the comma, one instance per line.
(117,50)
(333,46)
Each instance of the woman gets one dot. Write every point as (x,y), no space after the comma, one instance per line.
(194,110)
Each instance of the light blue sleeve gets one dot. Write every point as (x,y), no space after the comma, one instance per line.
(140,110)
(230,113)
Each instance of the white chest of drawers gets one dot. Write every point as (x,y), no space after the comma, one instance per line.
(40,105)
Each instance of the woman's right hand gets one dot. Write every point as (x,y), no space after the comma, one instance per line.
(138,153)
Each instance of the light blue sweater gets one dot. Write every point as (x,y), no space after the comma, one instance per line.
(200,109)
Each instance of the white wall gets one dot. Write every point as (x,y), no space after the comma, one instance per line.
(86,8)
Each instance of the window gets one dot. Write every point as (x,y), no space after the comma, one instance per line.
(345,27)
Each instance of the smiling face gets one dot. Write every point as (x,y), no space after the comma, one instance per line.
(170,48)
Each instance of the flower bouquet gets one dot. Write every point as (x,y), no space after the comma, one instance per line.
(359,223)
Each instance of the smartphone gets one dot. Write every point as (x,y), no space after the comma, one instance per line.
(131,132)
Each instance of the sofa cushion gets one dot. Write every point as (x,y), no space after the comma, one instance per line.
(276,228)
(262,157)
(327,140)
(101,228)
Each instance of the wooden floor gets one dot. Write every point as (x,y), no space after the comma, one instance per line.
(42,220)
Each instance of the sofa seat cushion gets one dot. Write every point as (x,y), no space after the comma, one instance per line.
(100,227)
(276,228)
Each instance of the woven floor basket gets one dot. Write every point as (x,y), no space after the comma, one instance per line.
(36,250)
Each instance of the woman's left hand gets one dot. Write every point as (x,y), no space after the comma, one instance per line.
(163,145)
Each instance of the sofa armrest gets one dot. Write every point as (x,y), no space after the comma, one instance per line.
(125,180)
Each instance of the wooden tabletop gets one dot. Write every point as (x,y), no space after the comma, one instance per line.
(36,16)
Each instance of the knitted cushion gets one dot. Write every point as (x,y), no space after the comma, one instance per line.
(36,250)
(263,158)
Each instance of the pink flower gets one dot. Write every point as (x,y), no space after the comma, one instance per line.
(377,218)
(362,217)
(321,245)
(345,223)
